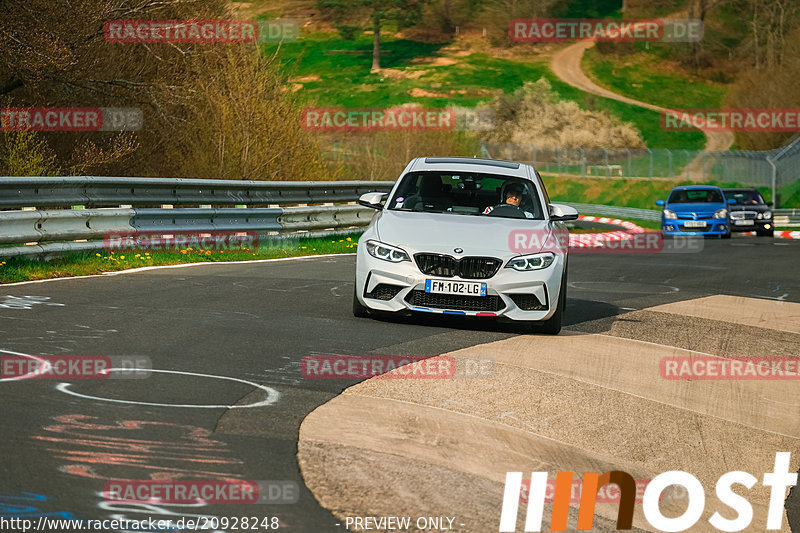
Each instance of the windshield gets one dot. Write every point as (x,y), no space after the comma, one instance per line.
(467,193)
(750,197)
(695,196)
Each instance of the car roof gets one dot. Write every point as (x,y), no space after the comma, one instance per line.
(739,189)
(694,187)
(470,164)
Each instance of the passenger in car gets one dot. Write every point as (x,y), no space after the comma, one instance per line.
(429,196)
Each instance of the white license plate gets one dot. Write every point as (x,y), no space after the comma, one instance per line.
(464,288)
(694,224)
(744,222)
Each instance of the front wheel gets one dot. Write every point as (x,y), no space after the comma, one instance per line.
(359,310)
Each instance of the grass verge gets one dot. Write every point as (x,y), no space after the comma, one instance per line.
(85,264)
(640,193)
(333,72)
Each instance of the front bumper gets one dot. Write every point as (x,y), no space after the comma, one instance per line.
(759,225)
(715,226)
(507,289)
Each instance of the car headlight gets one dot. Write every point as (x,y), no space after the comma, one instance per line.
(767,214)
(721,213)
(532,262)
(668,213)
(386,252)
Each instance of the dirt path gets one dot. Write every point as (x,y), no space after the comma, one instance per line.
(566,64)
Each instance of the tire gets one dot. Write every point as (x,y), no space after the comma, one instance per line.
(359,310)
(767,233)
(552,326)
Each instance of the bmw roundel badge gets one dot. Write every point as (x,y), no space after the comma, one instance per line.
(458,250)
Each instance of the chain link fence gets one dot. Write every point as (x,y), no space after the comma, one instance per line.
(774,168)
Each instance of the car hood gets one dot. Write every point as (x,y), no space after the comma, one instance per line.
(701,207)
(757,207)
(442,233)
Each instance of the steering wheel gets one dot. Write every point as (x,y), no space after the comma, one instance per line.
(506,211)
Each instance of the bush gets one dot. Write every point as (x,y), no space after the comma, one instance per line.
(25,154)
(534,115)
(348,32)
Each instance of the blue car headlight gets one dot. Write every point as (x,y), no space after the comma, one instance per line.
(525,263)
(721,213)
(668,213)
(386,252)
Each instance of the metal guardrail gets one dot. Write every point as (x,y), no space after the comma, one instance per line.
(55,231)
(19,192)
(618,212)
(786,217)
(781,217)
(43,232)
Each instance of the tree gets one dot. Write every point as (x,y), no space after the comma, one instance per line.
(209,111)
(698,9)
(375,13)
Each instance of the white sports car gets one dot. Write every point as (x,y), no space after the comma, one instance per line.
(464,236)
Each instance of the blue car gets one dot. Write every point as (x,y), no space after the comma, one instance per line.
(696,210)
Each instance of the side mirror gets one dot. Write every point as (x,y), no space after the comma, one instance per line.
(662,203)
(769,204)
(373,199)
(560,212)
(732,201)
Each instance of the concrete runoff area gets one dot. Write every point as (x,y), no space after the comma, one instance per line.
(582,402)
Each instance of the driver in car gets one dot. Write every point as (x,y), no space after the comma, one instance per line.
(513,198)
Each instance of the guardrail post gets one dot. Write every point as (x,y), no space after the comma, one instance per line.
(649,151)
(583,162)
(774,182)
(605,154)
(669,164)
(630,163)
(558,156)
(688,164)
(703,165)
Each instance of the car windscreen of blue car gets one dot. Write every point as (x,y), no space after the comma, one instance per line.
(695,196)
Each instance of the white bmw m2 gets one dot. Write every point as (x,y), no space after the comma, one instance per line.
(463,236)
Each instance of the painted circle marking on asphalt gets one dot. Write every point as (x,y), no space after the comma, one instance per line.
(272,394)
(43,368)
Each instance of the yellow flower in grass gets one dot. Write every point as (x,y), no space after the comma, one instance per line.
(348,239)
(98,255)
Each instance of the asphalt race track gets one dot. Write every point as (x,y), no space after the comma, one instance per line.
(202,325)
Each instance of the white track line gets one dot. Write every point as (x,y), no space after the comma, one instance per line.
(182,265)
